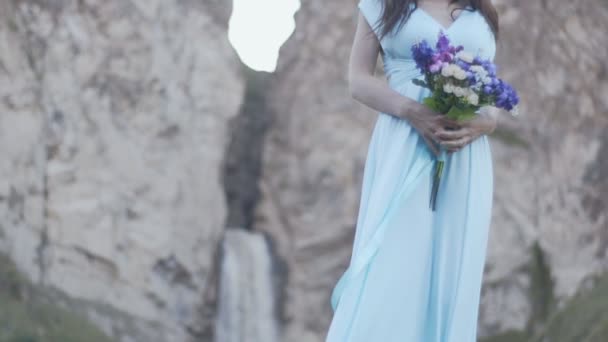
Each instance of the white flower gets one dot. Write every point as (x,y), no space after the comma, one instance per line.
(447,70)
(486,80)
(460,74)
(477,68)
(465,56)
(454,71)
(448,88)
(459,91)
(456,68)
(473,99)
(514,111)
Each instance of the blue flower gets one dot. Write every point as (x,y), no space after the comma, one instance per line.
(490,68)
(471,77)
(423,55)
(506,96)
(464,65)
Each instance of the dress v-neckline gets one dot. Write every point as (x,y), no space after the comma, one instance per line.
(444,28)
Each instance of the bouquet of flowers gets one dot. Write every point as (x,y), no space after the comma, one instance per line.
(460,85)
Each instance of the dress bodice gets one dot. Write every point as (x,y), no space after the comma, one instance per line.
(470,30)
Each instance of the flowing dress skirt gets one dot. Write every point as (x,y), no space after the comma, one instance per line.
(415,275)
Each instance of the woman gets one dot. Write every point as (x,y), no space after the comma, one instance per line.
(415,274)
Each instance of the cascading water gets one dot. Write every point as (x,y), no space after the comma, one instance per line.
(246,308)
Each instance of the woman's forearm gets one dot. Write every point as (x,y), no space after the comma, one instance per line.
(376,94)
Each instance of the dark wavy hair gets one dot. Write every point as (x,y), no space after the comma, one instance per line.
(397,12)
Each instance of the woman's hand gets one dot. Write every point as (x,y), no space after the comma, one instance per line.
(429,124)
(454,140)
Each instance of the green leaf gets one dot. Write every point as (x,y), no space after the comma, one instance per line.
(432,103)
(437,103)
(461,113)
(420,83)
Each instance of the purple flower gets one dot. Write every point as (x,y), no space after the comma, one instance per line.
(422,54)
(431,60)
(443,43)
(455,49)
(447,56)
(435,67)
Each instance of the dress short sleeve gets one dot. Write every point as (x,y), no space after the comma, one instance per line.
(372,11)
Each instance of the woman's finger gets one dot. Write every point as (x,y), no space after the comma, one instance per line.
(447,135)
(448,123)
(456,143)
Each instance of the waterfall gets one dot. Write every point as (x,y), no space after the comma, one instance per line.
(246,308)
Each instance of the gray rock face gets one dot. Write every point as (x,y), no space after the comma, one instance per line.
(549,228)
(112,130)
(549,188)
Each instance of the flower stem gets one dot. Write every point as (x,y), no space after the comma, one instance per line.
(436,182)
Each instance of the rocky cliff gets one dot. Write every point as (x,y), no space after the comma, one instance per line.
(122,165)
(549,231)
(113,128)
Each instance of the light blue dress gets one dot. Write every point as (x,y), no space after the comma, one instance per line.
(415,275)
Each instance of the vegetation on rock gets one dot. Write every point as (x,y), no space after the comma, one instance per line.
(583,318)
(27,315)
